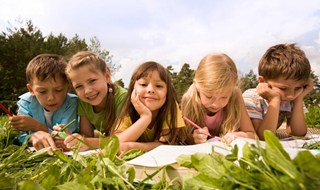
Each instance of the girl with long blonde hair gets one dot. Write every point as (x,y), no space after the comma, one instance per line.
(215,103)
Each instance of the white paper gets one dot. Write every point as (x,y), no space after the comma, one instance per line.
(168,154)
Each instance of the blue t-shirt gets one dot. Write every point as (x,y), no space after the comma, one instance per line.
(29,105)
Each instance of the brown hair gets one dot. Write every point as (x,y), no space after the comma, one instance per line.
(285,60)
(96,64)
(168,109)
(45,66)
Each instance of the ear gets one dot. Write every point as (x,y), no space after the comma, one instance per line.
(108,79)
(261,79)
(29,86)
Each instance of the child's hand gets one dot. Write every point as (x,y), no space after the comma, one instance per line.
(265,91)
(138,105)
(59,138)
(200,135)
(307,89)
(229,137)
(57,129)
(41,139)
(124,147)
(23,123)
(72,142)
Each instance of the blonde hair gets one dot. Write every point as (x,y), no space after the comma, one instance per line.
(97,64)
(215,72)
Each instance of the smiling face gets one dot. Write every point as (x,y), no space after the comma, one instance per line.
(152,91)
(50,93)
(91,87)
(217,100)
(287,88)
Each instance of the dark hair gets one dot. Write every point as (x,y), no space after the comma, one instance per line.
(168,109)
(285,60)
(45,66)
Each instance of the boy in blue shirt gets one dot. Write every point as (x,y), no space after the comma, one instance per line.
(46,104)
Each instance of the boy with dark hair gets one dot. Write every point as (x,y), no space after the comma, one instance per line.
(46,104)
(284,81)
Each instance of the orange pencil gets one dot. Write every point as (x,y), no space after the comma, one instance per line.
(194,125)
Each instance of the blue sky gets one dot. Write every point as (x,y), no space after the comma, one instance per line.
(174,32)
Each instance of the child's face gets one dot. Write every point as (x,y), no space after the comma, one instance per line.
(91,87)
(216,100)
(287,88)
(152,91)
(50,93)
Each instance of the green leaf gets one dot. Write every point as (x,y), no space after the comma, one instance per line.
(111,148)
(30,185)
(278,158)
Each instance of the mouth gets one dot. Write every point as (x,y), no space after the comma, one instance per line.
(92,97)
(149,98)
(52,105)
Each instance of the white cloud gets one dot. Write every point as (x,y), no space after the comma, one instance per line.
(174,32)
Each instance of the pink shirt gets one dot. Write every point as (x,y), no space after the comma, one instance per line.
(213,122)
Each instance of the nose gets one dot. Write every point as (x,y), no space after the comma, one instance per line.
(87,89)
(50,96)
(290,95)
(215,103)
(150,89)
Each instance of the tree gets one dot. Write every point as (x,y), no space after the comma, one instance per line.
(20,44)
(248,81)
(313,98)
(181,80)
(95,47)
(120,83)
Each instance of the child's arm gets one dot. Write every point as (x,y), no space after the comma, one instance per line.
(246,128)
(270,120)
(86,135)
(297,124)
(132,133)
(26,123)
(143,146)
(86,128)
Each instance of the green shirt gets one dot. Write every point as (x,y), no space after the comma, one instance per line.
(98,119)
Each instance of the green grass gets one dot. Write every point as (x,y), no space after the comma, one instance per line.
(313,117)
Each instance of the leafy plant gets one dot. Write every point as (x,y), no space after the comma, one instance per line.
(313,117)
(258,168)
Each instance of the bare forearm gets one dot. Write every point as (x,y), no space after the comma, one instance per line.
(144,146)
(270,120)
(297,121)
(132,133)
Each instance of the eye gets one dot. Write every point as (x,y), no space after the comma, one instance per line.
(92,81)
(78,87)
(283,88)
(59,90)
(143,84)
(159,86)
(42,92)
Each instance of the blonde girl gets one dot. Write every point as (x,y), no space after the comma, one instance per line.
(214,101)
(100,99)
(150,115)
